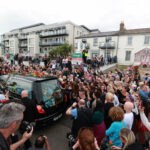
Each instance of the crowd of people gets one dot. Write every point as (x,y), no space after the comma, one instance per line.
(109,110)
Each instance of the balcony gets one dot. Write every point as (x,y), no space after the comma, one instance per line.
(23,51)
(23,45)
(53,43)
(5,39)
(23,38)
(84,41)
(6,45)
(54,34)
(108,45)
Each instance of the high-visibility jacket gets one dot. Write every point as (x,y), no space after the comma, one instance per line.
(86,54)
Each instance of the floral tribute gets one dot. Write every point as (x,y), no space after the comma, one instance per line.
(37,74)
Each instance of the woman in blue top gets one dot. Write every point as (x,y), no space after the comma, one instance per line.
(117,115)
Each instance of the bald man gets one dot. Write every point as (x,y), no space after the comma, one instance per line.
(128,116)
(82,116)
(30,112)
(24,93)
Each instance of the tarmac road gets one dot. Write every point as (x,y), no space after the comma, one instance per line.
(56,133)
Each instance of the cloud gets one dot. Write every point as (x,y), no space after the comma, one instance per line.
(103,14)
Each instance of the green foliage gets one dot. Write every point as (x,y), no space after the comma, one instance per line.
(62,50)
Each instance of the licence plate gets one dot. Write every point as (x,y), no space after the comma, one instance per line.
(56,118)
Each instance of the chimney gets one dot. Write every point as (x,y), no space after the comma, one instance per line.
(122,27)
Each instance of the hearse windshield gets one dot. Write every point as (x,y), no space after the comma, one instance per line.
(51,93)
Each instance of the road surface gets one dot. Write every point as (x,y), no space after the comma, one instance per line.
(56,133)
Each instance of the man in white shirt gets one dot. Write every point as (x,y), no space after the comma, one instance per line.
(128,116)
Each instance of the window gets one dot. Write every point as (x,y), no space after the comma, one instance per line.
(51,93)
(129,40)
(31,41)
(128,55)
(31,50)
(11,50)
(95,42)
(41,50)
(94,55)
(147,40)
(76,45)
(11,43)
(20,85)
(108,39)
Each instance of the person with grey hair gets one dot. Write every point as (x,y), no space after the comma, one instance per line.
(10,120)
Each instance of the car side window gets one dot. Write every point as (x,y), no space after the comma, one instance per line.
(17,86)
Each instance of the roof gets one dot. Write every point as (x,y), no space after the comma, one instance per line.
(101,34)
(116,33)
(32,78)
(26,27)
(39,27)
(90,30)
(136,31)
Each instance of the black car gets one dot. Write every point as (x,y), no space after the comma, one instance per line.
(44,92)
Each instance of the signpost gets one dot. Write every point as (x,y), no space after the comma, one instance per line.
(77,58)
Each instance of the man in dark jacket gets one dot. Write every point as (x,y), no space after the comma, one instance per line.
(82,116)
(30,113)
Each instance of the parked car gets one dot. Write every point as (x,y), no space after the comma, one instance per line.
(44,92)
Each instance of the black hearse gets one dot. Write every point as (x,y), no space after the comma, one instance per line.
(44,92)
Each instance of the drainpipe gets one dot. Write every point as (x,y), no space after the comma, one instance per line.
(117,48)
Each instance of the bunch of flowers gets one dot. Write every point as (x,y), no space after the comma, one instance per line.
(109,145)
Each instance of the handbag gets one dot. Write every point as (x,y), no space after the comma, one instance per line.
(105,141)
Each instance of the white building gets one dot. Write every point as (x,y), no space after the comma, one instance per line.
(38,39)
(123,43)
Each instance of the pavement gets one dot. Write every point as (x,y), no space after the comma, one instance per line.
(56,133)
(107,67)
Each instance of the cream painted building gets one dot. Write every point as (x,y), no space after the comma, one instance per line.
(39,39)
(96,44)
(123,43)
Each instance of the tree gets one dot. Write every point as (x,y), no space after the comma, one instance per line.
(63,50)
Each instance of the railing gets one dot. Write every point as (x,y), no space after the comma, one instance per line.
(54,34)
(23,38)
(23,45)
(107,45)
(5,39)
(53,43)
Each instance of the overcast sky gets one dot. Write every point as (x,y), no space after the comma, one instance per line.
(103,14)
